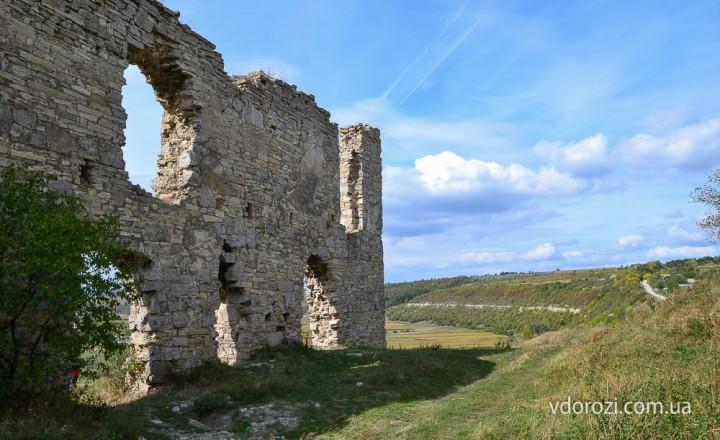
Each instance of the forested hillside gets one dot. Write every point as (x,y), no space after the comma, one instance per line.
(532,303)
(398,293)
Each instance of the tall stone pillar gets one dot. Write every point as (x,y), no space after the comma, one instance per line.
(360,179)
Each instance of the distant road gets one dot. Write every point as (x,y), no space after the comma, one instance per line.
(650,290)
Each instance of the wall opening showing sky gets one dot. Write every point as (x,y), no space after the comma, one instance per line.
(142,129)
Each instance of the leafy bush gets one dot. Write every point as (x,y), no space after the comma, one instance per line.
(59,288)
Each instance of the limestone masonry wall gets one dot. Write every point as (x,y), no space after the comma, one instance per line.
(255,198)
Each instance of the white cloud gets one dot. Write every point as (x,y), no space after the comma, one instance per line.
(573,254)
(588,157)
(661,120)
(663,252)
(407,261)
(398,182)
(692,147)
(485,257)
(632,240)
(539,253)
(417,136)
(447,172)
(458,133)
(370,111)
(681,234)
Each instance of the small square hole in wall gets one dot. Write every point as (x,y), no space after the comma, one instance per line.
(249,210)
(85,172)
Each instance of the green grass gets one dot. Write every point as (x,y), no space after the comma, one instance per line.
(482,409)
(668,352)
(342,382)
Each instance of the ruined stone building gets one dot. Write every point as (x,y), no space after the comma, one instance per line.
(260,202)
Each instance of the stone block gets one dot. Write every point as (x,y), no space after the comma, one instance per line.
(179,319)
(156,372)
(275,339)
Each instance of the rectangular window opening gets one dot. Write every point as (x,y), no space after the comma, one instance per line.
(85,172)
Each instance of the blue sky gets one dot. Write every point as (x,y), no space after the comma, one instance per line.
(517,135)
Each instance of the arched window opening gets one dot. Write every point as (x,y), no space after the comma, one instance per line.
(231,317)
(174,155)
(142,129)
(323,315)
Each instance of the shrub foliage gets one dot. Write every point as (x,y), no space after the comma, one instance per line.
(59,288)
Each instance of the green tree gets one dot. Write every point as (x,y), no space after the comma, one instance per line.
(59,288)
(628,278)
(527,331)
(709,194)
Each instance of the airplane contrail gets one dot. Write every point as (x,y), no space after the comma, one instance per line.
(442,59)
(417,64)
(417,60)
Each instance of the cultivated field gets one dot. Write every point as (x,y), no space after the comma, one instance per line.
(422,334)
(426,334)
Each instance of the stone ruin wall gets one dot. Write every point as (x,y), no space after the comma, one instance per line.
(255,198)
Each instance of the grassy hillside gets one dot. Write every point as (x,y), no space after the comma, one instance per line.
(398,293)
(663,353)
(533,303)
(668,353)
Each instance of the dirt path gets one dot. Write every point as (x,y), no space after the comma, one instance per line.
(650,291)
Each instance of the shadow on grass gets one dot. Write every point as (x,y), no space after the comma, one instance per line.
(331,386)
(322,389)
